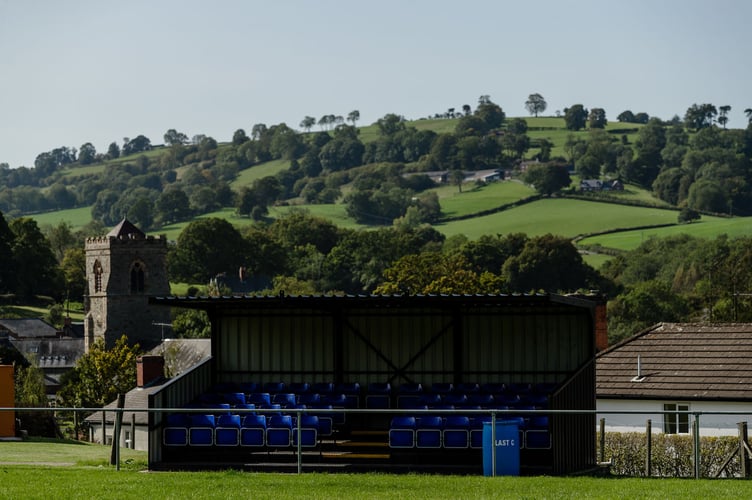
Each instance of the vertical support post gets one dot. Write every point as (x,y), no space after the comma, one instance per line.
(493,444)
(104,428)
(300,444)
(603,440)
(696,444)
(743,455)
(133,431)
(649,448)
(115,454)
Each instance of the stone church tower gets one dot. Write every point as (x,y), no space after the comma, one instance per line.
(123,269)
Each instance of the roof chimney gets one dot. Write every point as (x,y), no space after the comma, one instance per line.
(601,327)
(149,369)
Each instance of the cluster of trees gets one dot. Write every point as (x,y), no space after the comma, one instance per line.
(303,254)
(680,278)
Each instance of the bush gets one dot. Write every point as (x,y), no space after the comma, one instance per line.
(671,455)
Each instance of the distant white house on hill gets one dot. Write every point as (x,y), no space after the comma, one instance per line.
(673,368)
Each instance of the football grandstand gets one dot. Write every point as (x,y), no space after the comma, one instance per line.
(383,383)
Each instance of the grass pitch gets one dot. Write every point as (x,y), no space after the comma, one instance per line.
(65,469)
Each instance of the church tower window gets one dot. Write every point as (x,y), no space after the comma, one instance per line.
(137,277)
(98,277)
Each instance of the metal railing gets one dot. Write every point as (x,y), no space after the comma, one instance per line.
(494,414)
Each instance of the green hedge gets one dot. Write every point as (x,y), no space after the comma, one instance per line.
(672,455)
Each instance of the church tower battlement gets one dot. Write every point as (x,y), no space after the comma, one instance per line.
(123,269)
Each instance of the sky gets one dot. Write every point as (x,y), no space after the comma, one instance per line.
(99,70)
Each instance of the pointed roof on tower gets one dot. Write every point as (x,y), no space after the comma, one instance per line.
(126,230)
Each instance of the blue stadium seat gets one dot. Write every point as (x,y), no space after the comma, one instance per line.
(402,432)
(326,421)
(520,387)
(484,400)
(233,398)
(351,391)
(309,399)
(456,434)
(246,406)
(279,431)
(284,399)
(322,388)
(249,387)
(442,387)
(309,428)
(466,388)
(428,431)
(298,388)
(430,399)
(274,387)
(408,395)
(227,432)
(259,398)
(476,431)
(456,399)
(379,395)
(253,431)
(175,432)
(201,431)
(507,399)
(336,401)
(493,388)
(537,433)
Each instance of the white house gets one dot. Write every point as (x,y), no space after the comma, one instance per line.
(672,368)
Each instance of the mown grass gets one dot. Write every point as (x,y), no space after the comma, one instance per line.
(707,227)
(76,217)
(46,468)
(474,199)
(560,216)
(247,176)
(105,482)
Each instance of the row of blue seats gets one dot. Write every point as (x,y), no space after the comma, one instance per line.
(544,388)
(381,395)
(461,432)
(255,431)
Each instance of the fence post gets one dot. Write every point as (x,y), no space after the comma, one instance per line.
(299,432)
(696,444)
(603,440)
(649,448)
(133,430)
(743,455)
(104,428)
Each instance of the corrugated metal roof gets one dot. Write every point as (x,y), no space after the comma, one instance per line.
(297,301)
(680,361)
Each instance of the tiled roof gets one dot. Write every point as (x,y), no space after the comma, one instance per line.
(27,328)
(126,229)
(693,361)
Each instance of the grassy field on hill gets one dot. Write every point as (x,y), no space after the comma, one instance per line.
(707,227)
(52,469)
(76,217)
(474,199)
(560,216)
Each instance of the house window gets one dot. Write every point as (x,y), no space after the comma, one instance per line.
(674,420)
(137,277)
(98,276)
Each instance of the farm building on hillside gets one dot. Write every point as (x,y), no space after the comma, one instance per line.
(677,367)
(387,354)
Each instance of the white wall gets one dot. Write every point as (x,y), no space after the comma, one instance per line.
(710,425)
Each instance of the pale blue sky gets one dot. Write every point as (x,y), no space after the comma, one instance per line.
(96,71)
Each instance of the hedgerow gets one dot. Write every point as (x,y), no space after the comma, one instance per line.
(672,455)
